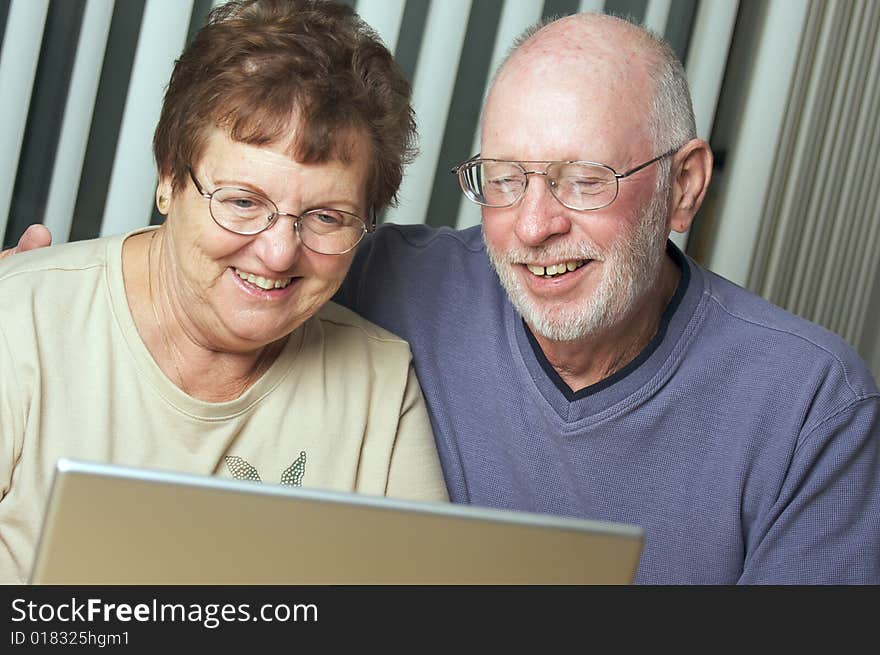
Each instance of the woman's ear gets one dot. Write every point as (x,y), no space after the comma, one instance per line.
(691,174)
(163,196)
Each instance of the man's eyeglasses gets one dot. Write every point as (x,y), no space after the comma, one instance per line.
(324,231)
(578,185)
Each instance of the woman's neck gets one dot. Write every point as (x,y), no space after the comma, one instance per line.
(199,370)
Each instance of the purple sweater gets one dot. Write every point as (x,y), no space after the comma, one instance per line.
(744,440)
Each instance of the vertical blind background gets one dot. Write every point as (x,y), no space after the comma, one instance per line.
(785,91)
(83,164)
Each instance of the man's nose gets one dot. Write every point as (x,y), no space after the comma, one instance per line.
(540,216)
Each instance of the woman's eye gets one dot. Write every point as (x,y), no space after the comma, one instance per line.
(326,218)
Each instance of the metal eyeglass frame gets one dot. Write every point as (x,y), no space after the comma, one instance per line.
(457,170)
(297,218)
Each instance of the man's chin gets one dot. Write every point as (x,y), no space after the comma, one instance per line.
(564,323)
(557,320)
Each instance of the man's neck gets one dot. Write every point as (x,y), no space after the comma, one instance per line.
(585,362)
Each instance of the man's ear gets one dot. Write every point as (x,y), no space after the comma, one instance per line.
(691,173)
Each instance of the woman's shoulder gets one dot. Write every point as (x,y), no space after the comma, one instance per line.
(354,353)
(73,256)
(53,297)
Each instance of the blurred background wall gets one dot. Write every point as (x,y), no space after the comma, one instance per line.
(786,91)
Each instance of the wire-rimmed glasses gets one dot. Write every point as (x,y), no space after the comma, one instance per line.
(325,231)
(578,185)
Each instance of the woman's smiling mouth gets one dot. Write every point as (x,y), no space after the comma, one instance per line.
(264,283)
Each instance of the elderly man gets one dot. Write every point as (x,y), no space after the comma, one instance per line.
(608,376)
(575,362)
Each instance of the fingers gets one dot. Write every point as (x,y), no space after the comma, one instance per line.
(36,236)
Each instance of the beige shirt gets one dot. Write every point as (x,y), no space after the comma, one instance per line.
(339,409)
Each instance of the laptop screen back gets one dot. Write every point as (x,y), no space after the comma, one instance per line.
(107,524)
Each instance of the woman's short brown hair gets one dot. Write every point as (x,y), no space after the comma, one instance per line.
(259,64)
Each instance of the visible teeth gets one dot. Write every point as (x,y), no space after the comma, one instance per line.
(262,282)
(555,269)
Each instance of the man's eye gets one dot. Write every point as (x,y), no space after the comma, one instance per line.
(584,184)
(504,182)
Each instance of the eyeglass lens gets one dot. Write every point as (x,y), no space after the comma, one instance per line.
(579,186)
(327,231)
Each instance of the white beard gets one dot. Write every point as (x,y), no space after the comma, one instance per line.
(630,268)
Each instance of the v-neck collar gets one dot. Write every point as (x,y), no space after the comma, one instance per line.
(627,383)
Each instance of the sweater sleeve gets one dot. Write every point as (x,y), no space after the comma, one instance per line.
(824,526)
(415,472)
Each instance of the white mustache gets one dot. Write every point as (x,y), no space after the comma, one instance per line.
(552,254)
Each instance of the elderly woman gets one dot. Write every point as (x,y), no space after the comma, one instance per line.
(209,344)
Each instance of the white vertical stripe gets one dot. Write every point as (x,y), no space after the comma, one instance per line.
(595,6)
(750,161)
(707,58)
(18,65)
(435,79)
(132,183)
(516,16)
(385,17)
(74,134)
(657,15)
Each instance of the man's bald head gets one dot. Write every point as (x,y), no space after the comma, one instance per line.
(606,56)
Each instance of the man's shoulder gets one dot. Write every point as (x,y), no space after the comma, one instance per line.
(764,331)
(426,239)
(418,257)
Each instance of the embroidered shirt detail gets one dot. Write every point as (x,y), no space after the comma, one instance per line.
(292,475)
(295,472)
(241,470)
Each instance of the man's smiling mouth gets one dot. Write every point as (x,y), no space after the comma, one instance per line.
(554,270)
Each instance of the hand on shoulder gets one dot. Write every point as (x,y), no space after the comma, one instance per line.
(36,236)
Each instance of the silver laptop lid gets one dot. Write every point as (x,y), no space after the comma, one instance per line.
(108,524)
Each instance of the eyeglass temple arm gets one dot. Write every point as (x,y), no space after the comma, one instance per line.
(455,169)
(620,176)
(199,188)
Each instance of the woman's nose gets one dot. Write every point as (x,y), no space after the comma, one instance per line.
(279,245)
